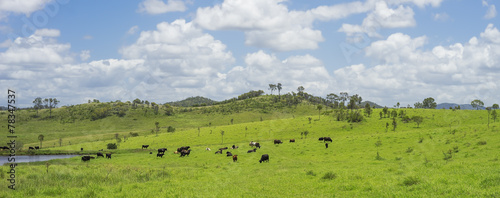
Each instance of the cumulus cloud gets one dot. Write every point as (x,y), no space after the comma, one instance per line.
(160,7)
(491,13)
(441,17)
(459,72)
(39,49)
(382,17)
(21,6)
(85,55)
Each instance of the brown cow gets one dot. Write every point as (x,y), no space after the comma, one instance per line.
(235,158)
(278,142)
(292,140)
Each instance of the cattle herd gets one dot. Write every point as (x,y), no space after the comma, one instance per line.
(186,150)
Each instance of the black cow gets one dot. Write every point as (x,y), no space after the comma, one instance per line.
(327,139)
(234,147)
(100,154)
(160,155)
(235,158)
(278,142)
(183,148)
(185,153)
(326,145)
(252,143)
(145,146)
(321,138)
(218,152)
(31,148)
(292,140)
(257,145)
(162,150)
(108,155)
(81,149)
(251,151)
(264,158)
(86,158)
(229,154)
(37,147)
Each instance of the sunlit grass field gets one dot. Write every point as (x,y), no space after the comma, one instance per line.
(450,154)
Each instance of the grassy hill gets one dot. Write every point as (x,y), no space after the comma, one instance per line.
(451,153)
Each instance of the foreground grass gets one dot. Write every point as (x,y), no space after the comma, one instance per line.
(451,154)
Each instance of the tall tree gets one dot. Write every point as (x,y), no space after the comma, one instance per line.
(157,127)
(429,103)
(272,87)
(300,90)
(368,109)
(477,104)
(40,137)
(50,103)
(495,106)
(279,87)
(398,105)
(38,104)
(394,124)
(418,120)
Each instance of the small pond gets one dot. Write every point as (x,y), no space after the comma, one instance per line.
(33,158)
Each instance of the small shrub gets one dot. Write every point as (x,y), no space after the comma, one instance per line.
(410,181)
(329,176)
(112,146)
(421,140)
(447,156)
(378,143)
(455,149)
(409,150)
(481,143)
(170,129)
(311,173)
(134,134)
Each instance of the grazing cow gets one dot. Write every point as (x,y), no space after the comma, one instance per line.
(108,155)
(234,147)
(160,155)
(278,142)
(326,145)
(320,139)
(145,146)
(37,147)
(327,139)
(257,145)
(185,153)
(252,143)
(264,158)
(100,154)
(229,154)
(81,149)
(223,148)
(218,152)
(183,148)
(251,151)
(208,149)
(162,150)
(292,140)
(150,153)
(31,148)
(235,158)
(85,158)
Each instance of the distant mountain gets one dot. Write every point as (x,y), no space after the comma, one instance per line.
(453,105)
(371,104)
(193,101)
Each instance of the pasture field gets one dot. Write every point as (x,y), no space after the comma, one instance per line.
(450,154)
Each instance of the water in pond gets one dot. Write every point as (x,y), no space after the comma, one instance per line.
(33,158)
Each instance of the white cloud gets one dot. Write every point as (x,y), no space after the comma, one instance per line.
(491,13)
(40,49)
(441,17)
(85,55)
(382,17)
(21,6)
(133,29)
(407,73)
(159,6)
(269,23)
(47,32)
(88,37)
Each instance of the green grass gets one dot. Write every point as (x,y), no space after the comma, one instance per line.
(364,160)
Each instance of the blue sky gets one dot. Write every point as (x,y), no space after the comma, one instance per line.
(166,50)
